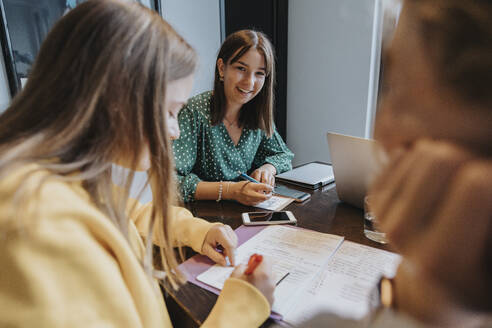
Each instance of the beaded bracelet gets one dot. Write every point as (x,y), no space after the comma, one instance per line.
(220,193)
(227,190)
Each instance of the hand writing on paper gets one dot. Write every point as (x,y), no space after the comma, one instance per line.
(225,237)
(262,278)
(249,193)
(434,203)
(265,174)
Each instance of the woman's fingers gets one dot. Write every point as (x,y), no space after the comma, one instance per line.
(256,175)
(232,244)
(421,192)
(214,255)
(262,278)
(268,178)
(239,271)
(261,188)
(388,186)
(258,191)
(458,237)
(405,195)
(434,204)
(254,193)
(264,175)
(224,236)
(464,219)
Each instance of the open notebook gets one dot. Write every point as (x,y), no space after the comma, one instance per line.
(326,273)
(275,203)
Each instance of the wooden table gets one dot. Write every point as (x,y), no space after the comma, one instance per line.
(322,212)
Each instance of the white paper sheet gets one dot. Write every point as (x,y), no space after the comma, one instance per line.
(344,284)
(302,253)
(275,203)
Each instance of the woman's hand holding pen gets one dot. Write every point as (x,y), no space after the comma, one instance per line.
(433,202)
(249,193)
(265,174)
(261,277)
(220,237)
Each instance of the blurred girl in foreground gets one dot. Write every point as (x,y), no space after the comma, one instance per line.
(434,198)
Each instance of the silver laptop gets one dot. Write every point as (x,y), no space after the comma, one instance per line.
(354,165)
(312,175)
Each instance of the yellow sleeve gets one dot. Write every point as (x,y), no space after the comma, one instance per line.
(240,305)
(59,275)
(186,229)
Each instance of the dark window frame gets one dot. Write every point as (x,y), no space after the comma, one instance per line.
(8,50)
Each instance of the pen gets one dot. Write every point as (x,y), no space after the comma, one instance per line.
(247,177)
(285,276)
(253,262)
(220,249)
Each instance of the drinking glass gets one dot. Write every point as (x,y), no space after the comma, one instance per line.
(371,225)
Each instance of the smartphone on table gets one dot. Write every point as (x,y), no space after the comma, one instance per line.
(265,218)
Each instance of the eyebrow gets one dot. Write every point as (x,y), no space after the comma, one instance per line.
(243,63)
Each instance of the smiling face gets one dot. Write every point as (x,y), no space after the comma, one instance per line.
(244,78)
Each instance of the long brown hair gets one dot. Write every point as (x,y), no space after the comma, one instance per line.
(258,112)
(96,94)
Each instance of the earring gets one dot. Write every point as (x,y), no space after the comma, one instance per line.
(221,78)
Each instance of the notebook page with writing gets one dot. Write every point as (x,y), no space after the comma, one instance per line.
(275,203)
(301,253)
(344,284)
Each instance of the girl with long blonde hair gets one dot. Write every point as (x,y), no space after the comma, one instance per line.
(106,88)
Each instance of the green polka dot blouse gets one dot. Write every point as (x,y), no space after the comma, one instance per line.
(206,152)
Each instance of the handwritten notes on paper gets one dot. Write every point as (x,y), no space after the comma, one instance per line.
(275,203)
(300,252)
(326,273)
(344,284)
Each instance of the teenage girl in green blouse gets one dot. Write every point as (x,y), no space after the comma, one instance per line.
(230,129)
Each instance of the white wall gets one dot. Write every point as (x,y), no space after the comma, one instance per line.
(199,23)
(329,52)
(4,85)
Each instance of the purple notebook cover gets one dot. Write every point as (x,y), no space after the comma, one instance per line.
(200,263)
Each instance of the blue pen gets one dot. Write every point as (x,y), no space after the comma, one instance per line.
(247,177)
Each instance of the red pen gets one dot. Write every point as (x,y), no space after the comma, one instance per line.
(253,262)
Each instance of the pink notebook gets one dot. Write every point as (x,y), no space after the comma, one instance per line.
(200,263)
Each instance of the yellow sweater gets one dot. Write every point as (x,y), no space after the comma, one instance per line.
(73,268)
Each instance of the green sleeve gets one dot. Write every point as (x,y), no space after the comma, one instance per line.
(274,151)
(185,153)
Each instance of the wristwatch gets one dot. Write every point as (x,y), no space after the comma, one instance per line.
(383,294)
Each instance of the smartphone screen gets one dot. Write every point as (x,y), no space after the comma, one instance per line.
(268,216)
